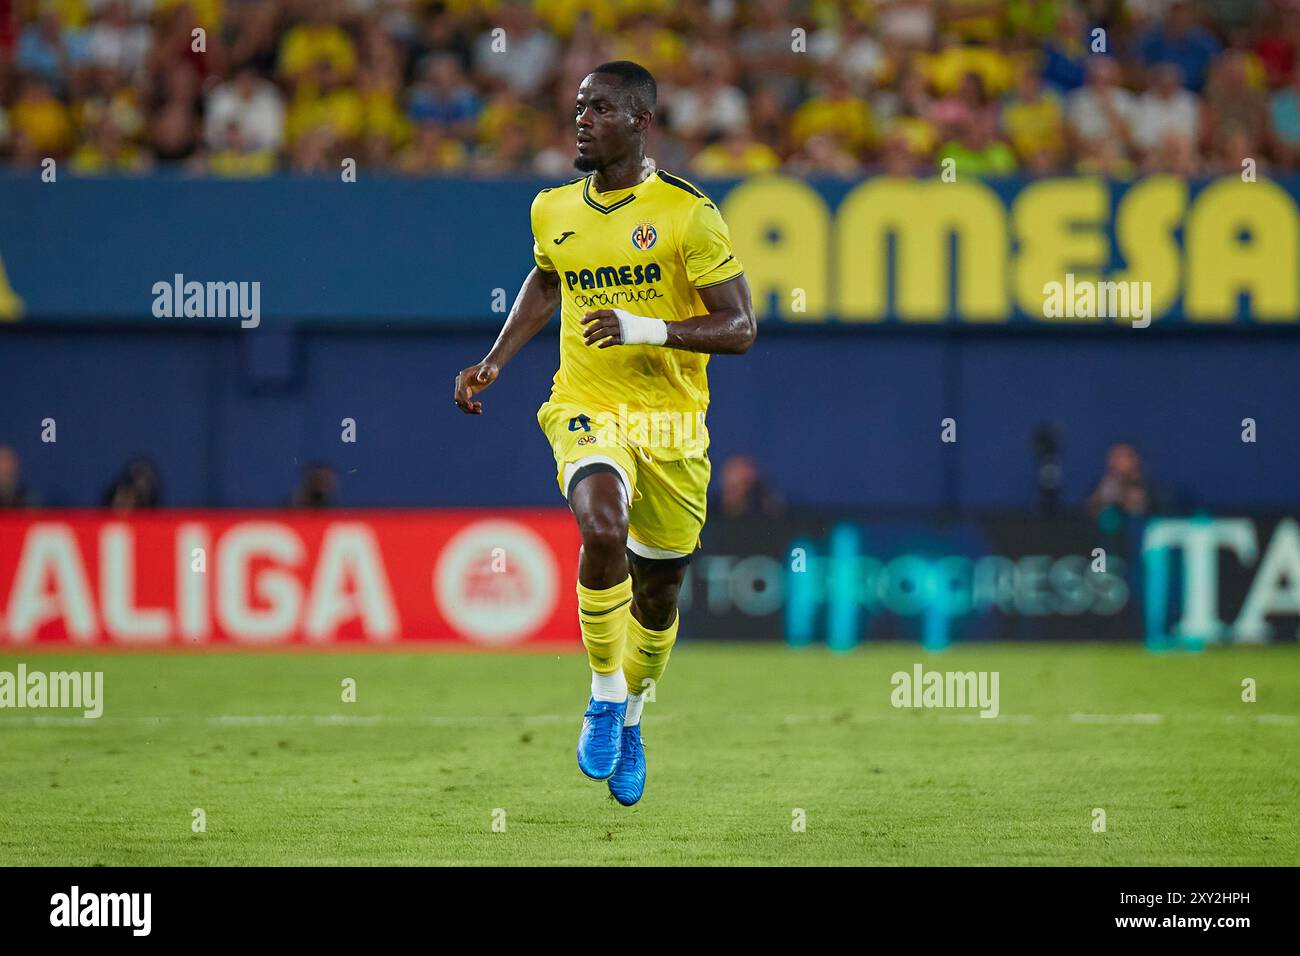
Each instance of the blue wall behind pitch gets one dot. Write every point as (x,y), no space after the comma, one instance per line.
(231,417)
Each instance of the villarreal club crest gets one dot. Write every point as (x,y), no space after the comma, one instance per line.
(644,236)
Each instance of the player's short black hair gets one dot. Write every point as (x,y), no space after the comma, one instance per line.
(639,80)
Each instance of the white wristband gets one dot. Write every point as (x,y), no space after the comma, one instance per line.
(641,330)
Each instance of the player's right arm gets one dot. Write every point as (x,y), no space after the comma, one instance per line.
(537,301)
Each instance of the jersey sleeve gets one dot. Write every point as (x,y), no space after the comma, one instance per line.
(706,247)
(539,254)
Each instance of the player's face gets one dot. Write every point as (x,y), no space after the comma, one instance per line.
(607,125)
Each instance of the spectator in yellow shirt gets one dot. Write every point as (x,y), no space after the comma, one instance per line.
(979,21)
(383,116)
(907,116)
(738,154)
(561,16)
(511,150)
(1033,20)
(643,40)
(239,159)
(899,159)
(506,110)
(323,98)
(947,69)
(823,155)
(106,152)
(1034,121)
(432,151)
(42,119)
(836,112)
(319,38)
(207,13)
(72,14)
(112,96)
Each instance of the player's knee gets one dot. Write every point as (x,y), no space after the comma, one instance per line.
(604,536)
(658,605)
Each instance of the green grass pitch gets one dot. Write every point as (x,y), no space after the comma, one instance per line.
(438,746)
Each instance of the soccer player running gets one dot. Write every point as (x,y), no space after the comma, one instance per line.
(640,264)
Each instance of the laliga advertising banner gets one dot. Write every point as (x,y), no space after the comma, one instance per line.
(239,580)
(1171,582)
(840,579)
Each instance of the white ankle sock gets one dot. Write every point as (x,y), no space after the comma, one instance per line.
(609,687)
(634,704)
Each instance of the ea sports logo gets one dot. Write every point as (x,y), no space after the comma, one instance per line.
(495,582)
(644,236)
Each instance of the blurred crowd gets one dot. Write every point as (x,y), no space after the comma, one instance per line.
(815,87)
(136,487)
(741,490)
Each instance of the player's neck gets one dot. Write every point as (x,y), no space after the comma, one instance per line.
(624,173)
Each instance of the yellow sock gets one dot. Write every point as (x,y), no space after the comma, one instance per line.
(603,616)
(646,654)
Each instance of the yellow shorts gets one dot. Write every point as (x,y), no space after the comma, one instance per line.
(668,499)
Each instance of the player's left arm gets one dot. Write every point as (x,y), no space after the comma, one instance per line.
(728,328)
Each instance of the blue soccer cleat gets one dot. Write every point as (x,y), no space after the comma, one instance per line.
(628,780)
(599,744)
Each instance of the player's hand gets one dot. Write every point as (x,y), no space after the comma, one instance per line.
(602,326)
(470,381)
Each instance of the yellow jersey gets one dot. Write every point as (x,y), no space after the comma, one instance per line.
(646,249)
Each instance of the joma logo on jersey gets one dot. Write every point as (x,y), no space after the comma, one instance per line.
(644,236)
(607,276)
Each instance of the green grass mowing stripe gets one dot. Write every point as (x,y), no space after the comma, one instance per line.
(739,739)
